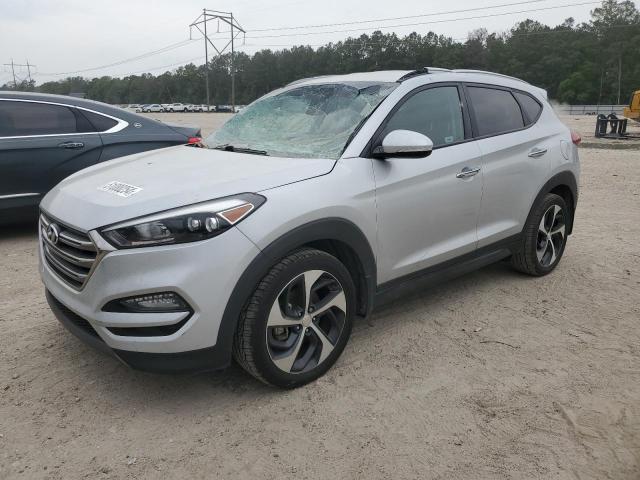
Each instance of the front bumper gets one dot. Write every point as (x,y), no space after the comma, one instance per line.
(184,362)
(203,273)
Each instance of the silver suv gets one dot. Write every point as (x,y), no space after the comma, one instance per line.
(315,204)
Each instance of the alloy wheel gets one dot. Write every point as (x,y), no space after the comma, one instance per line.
(306,321)
(551,236)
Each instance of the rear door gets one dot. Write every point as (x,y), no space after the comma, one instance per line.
(40,144)
(515,157)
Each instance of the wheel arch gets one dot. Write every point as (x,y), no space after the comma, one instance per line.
(565,185)
(336,236)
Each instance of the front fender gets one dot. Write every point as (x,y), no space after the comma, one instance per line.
(322,230)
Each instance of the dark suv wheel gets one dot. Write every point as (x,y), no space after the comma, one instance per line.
(298,320)
(544,237)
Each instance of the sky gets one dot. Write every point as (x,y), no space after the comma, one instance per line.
(61,37)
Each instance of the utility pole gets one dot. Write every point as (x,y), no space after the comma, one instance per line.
(13,71)
(13,66)
(619,76)
(233,73)
(206,59)
(234,29)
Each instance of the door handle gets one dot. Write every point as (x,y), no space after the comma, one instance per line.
(71,145)
(467,172)
(537,152)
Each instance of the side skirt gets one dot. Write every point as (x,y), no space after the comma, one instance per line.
(436,274)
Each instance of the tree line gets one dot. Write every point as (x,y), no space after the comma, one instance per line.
(576,63)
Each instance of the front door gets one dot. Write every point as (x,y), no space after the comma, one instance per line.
(428,207)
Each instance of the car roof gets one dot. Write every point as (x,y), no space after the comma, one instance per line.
(65,99)
(426,75)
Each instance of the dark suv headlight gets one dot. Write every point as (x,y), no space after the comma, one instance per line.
(185,224)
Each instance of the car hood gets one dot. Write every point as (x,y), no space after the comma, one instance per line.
(170,178)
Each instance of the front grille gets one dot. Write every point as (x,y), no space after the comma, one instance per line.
(71,254)
(77,320)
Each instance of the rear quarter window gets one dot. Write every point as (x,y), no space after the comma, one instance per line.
(100,122)
(530,107)
(496,111)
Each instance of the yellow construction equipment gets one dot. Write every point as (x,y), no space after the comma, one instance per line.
(633,110)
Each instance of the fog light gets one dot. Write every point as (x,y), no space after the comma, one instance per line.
(153,302)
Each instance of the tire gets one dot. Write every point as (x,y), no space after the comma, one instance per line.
(543,242)
(294,354)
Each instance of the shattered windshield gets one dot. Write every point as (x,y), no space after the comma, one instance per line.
(311,121)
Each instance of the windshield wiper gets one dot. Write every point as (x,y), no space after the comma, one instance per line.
(231,148)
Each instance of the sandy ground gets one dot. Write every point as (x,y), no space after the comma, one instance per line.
(208,122)
(492,375)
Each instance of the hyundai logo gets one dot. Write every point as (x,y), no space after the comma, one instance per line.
(53,233)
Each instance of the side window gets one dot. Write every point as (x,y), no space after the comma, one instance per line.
(100,122)
(496,111)
(530,107)
(32,118)
(435,112)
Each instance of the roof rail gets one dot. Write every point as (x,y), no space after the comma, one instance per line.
(422,71)
(482,72)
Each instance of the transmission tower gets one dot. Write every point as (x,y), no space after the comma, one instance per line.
(13,66)
(235,30)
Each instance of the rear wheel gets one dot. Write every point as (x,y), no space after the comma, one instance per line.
(544,237)
(298,320)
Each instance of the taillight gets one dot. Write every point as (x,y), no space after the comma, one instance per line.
(194,140)
(575,138)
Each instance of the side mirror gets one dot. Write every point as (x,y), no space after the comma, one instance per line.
(404,143)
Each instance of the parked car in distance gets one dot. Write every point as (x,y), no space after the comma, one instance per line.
(267,244)
(45,138)
(141,107)
(165,107)
(178,107)
(224,108)
(154,107)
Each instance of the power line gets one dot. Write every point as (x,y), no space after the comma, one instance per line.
(380,27)
(187,42)
(147,70)
(168,48)
(354,43)
(361,22)
(410,41)
(388,19)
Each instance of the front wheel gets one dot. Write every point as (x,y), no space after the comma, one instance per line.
(544,237)
(298,321)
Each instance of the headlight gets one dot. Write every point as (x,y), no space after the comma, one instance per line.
(185,224)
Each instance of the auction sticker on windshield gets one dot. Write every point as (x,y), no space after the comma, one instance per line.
(119,188)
